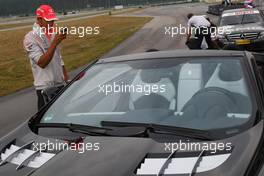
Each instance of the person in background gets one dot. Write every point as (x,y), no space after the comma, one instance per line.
(42,45)
(226,2)
(249,4)
(202,30)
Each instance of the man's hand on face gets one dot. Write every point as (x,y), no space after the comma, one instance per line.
(59,38)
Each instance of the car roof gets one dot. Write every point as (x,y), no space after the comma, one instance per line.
(175,54)
(238,10)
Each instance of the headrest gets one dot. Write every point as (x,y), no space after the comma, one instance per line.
(229,72)
(228,76)
(152,75)
(156,75)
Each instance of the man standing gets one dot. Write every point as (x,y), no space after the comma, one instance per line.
(43,49)
(202,30)
(249,4)
(226,2)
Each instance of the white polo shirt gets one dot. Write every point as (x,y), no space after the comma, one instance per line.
(198,21)
(36,44)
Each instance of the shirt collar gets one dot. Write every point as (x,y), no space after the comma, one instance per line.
(38,30)
(41,33)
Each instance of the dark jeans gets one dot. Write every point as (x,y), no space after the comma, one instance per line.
(41,101)
(204,32)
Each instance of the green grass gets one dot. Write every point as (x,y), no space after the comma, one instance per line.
(15,69)
(22,24)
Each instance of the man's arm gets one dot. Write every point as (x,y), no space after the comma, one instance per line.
(45,59)
(189,33)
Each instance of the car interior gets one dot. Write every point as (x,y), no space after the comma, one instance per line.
(192,98)
(186,101)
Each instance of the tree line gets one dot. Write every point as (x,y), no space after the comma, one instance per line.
(27,7)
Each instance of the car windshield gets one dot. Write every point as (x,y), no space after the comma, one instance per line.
(240,19)
(200,93)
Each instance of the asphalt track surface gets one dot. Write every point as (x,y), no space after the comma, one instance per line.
(17,107)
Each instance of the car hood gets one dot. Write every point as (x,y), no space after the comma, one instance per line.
(250,27)
(124,156)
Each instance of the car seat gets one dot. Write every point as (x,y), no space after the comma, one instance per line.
(229,77)
(190,82)
(224,93)
(160,99)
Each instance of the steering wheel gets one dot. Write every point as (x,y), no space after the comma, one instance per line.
(210,102)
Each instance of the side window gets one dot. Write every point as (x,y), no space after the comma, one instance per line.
(260,69)
(258,62)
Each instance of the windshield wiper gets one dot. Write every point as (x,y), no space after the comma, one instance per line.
(232,24)
(128,129)
(90,130)
(97,131)
(247,22)
(163,129)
